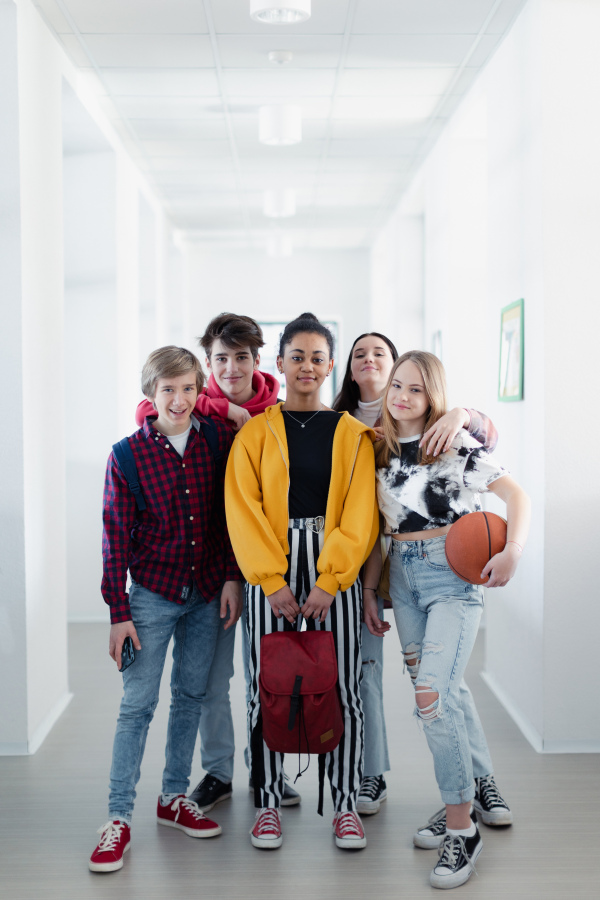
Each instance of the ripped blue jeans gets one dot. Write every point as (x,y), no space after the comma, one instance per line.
(437,617)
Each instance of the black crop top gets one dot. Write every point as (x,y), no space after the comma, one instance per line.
(310,452)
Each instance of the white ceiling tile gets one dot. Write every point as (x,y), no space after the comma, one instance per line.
(245,127)
(223,164)
(146,50)
(138,16)
(383,147)
(363,165)
(398,108)
(197,178)
(279,84)
(430,17)
(394,82)
(233,17)
(53,15)
(190,149)
(162,82)
(380,129)
(351,196)
(180,129)
(390,50)
(249,149)
(163,108)
(312,107)
(282,167)
(211,219)
(251,51)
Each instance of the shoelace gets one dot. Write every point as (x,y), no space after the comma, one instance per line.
(182,803)
(450,851)
(347,825)
(370,787)
(267,821)
(437,823)
(111,835)
(489,791)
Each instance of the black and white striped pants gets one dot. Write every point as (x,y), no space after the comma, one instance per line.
(344,764)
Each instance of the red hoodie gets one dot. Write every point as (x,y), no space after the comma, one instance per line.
(212,401)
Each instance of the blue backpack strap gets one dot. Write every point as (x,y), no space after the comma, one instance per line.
(211,433)
(126,461)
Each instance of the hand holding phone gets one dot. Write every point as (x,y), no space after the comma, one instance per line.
(127,654)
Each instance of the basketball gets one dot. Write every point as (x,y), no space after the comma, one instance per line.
(471,543)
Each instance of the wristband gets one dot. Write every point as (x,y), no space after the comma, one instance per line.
(518,545)
(370,589)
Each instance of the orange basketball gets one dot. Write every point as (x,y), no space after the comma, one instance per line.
(471,543)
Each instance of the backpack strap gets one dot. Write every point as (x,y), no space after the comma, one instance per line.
(211,433)
(126,462)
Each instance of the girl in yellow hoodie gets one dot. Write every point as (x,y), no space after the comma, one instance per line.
(302,518)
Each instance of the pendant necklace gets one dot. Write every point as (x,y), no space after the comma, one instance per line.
(303,424)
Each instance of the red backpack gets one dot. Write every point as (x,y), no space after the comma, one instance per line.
(299,699)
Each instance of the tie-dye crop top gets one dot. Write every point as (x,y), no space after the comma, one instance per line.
(414,498)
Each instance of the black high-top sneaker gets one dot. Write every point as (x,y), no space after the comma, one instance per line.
(489,804)
(457,860)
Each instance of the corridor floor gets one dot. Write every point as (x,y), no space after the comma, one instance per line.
(53,802)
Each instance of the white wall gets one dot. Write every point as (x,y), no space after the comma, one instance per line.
(509,198)
(332,284)
(50,394)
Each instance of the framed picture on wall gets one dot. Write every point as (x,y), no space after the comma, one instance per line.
(512,353)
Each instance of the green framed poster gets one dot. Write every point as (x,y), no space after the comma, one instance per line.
(512,352)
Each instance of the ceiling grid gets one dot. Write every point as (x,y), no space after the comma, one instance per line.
(377,80)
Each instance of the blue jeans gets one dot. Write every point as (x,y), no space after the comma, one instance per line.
(437,616)
(217,743)
(376,760)
(194,626)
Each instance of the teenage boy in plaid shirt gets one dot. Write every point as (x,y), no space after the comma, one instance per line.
(184,581)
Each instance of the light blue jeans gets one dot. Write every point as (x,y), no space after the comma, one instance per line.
(194,625)
(437,616)
(376,760)
(217,743)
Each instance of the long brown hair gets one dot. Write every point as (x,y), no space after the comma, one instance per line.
(349,395)
(434,379)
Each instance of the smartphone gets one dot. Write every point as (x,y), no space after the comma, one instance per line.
(127,654)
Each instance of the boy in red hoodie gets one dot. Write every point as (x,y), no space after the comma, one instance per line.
(235,392)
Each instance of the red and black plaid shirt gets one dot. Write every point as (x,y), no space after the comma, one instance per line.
(181,538)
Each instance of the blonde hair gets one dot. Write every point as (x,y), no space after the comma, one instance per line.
(434,379)
(169,362)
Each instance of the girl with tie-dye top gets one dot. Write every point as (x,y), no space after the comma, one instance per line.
(370,362)
(437,615)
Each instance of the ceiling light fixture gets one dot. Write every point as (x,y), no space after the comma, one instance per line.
(279,203)
(280,125)
(280,12)
(279,245)
(281,57)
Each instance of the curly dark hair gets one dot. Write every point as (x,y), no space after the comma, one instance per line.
(305,323)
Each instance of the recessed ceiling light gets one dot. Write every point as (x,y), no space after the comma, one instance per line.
(279,203)
(281,57)
(280,12)
(279,245)
(280,125)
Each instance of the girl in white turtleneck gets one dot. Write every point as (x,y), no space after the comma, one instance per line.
(369,365)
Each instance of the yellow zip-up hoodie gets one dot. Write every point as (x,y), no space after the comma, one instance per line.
(256,503)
